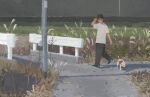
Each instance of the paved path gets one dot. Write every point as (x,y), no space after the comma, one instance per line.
(87,81)
(82,80)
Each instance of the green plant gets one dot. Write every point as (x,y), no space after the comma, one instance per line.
(129,40)
(50,30)
(11,28)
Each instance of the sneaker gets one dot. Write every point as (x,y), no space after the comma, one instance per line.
(97,66)
(110,60)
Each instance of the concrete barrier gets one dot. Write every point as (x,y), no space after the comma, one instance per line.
(77,43)
(9,40)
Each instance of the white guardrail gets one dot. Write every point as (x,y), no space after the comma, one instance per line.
(9,40)
(77,43)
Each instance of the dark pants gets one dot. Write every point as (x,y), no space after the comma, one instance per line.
(100,52)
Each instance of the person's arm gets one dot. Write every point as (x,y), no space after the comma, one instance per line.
(109,38)
(94,21)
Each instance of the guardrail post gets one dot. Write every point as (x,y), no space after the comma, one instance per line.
(9,56)
(61,49)
(34,47)
(76,52)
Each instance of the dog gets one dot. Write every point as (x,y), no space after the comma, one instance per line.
(121,64)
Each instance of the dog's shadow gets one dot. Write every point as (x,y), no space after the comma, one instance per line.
(131,67)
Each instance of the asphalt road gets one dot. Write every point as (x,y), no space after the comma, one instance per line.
(82,80)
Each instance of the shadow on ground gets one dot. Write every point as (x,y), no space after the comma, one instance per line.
(132,67)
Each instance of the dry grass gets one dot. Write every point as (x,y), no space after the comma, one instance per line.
(3,51)
(44,88)
(22,45)
(40,88)
(142,80)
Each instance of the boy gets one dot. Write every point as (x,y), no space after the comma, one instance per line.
(102,33)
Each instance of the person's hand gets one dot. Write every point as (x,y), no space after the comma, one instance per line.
(94,21)
(109,39)
(110,43)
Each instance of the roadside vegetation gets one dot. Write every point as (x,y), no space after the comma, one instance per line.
(20,80)
(131,41)
(142,80)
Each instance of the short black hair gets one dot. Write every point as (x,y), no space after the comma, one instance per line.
(100,16)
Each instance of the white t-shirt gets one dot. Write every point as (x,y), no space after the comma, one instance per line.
(102,30)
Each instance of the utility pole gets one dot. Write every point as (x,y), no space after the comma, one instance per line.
(44,37)
(119,8)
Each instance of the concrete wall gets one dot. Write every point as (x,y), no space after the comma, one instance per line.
(69,8)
